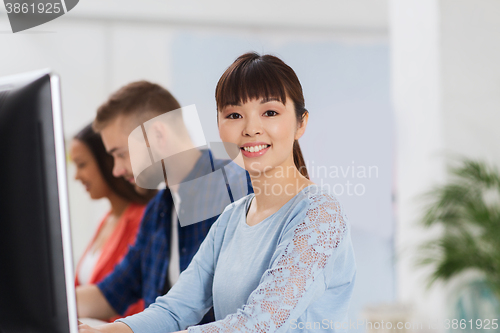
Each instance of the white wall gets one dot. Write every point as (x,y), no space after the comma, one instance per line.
(445,84)
(470,70)
(356,15)
(417,103)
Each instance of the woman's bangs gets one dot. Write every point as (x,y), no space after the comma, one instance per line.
(250,81)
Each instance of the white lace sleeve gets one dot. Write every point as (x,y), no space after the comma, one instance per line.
(296,277)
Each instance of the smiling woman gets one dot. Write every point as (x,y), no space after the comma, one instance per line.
(269,82)
(271,262)
(246,122)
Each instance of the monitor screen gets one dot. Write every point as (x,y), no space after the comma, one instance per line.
(36,270)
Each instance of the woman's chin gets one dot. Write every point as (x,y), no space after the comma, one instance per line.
(95,196)
(257,170)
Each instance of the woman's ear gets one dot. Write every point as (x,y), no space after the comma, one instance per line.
(301,126)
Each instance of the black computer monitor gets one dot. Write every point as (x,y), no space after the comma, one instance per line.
(36,271)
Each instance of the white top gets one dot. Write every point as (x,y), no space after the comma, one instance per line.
(87,266)
(174,269)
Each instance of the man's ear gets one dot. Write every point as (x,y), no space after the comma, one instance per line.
(158,134)
(301,126)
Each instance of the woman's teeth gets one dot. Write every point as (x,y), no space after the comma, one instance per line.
(254,149)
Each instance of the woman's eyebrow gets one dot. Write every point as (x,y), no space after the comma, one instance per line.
(232,104)
(270,99)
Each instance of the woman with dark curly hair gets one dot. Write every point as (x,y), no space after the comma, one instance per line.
(118,229)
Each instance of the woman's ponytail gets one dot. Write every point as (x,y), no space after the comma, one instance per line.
(298,159)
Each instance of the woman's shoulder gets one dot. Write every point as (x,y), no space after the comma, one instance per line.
(316,195)
(227,221)
(316,206)
(323,195)
(236,207)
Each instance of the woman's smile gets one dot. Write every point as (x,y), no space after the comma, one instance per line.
(254,124)
(254,149)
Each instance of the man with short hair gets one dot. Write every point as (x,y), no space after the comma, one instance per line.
(163,249)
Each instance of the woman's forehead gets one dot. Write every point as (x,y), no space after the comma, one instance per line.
(260,100)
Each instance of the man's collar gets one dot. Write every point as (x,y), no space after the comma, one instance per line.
(202,167)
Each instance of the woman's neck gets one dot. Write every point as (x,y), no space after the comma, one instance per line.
(275,187)
(118,204)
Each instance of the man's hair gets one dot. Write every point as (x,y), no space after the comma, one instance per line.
(142,99)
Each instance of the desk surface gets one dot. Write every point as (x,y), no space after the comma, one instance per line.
(92,322)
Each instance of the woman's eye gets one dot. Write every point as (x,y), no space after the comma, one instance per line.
(233,116)
(271,113)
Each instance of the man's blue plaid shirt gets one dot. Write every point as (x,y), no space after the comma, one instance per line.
(144,270)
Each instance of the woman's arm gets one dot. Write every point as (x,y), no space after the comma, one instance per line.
(302,264)
(91,303)
(108,328)
(188,300)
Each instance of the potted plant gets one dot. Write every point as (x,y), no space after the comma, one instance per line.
(467,208)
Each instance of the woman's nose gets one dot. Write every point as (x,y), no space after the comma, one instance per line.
(253,127)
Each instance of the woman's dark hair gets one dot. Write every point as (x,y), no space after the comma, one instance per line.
(252,76)
(105,163)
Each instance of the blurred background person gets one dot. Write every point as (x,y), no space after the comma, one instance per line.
(118,228)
